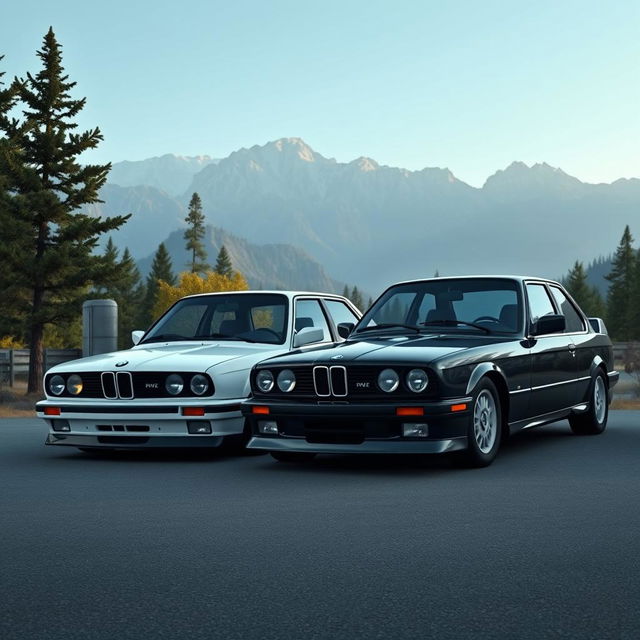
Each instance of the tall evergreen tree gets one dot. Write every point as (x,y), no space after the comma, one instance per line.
(587,297)
(194,234)
(622,277)
(126,288)
(223,263)
(51,243)
(356,298)
(345,292)
(161,269)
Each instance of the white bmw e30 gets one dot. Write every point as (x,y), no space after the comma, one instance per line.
(182,383)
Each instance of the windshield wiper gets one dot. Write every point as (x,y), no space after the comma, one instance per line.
(168,337)
(453,323)
(390,325)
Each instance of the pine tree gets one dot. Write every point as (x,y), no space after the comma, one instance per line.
(620,296)
(345,292)
(223,263)
(356,298)
(48,248)
(130,296)
(161,269)
(194,234)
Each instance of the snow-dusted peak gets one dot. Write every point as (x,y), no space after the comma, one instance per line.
(365,164)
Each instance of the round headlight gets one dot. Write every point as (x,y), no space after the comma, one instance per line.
(74,384)
(56,385)
(417,380)
(264,380)
(286,380)
(174,384)
(388,380)
(199,384)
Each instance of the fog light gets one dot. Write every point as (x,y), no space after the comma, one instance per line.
(60,425)
(198,426)
(415,430)
(268,427)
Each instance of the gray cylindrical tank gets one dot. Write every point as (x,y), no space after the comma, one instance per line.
(99,327)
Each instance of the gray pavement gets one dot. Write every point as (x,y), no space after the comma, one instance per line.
(542,544)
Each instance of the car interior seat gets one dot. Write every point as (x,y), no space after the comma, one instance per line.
(509,316)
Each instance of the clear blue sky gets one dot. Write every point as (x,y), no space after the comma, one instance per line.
(469,85)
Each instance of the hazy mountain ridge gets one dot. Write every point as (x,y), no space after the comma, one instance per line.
(267,266)
(170,173)
(372,224)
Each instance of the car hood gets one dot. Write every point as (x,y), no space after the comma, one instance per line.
(175,356)
(393,349)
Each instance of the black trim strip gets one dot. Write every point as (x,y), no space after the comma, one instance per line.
(118,409)
(222,408)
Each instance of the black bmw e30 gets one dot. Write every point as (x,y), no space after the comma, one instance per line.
(439,365)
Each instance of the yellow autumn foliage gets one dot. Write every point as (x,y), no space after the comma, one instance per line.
(191,283)
(9,342)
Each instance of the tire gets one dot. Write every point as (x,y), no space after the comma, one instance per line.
(484,429)
(292,456)
(593,421)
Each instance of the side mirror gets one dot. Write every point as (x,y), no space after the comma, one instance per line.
(345,329)
(550,323)
(308,335)
(598,325)
(136,336)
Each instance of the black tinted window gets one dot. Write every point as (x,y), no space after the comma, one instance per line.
(572,318)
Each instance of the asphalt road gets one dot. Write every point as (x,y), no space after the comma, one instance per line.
(542,544)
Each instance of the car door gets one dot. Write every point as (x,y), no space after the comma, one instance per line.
(553,362)
(576,331)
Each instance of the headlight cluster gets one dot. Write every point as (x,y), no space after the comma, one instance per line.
(174,384)
(286,380)
(416,380)
(73,385)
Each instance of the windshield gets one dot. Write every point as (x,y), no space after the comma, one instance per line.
(475,305)
(248,317)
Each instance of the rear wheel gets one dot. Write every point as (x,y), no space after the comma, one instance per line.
(484,429)
(292,456)
(594,420)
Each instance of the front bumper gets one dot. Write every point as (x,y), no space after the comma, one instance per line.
(358,427)
(135,425)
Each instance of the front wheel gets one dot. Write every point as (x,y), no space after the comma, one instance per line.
(594,420)
(292,456)
(484,428)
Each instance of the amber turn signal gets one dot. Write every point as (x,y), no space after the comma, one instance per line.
(52,411)
(458,407)
(262,410)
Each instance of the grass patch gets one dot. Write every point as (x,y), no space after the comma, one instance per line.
(15,402)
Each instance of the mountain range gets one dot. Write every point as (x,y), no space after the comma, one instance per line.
(371,224)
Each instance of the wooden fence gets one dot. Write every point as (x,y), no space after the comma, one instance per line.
(14,363)
(620,348)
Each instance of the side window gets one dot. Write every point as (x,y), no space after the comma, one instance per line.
(572,318)
(340,312)
(539,302)
(309,314)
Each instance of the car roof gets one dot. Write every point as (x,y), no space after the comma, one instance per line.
(517,278)
(288,294)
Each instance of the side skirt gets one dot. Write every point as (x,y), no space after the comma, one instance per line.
(546,418)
